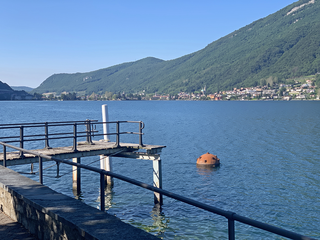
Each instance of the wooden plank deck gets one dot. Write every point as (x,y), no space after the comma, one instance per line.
(85,150)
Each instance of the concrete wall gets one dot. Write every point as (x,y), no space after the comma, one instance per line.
(51,215)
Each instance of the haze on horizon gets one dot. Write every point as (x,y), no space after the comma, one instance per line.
(41,38)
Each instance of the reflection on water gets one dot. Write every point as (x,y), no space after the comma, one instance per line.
(160,221)
(78,195)
(159,225)
(108,197)
(108,194)
(206,171)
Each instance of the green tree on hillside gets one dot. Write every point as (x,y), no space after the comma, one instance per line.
(318,80)
(282,90)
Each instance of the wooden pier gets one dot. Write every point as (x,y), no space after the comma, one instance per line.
(101,148)
(125,150)
(49,132)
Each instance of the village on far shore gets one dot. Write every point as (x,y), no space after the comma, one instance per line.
(305,90)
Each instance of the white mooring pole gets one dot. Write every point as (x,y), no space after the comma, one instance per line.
(76,177)
(105,161)
(157,180)
(105,118)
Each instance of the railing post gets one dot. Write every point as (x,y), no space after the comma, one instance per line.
(4,156)
(140,133)
(231,230)
(74,137)
(40,170)
(21,141)
(88,130)
(58,169)
(46,134)
(102,196)
(118,135)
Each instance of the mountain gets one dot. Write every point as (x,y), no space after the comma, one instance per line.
(5,87)
(281,46)
(20,88)
(7,93)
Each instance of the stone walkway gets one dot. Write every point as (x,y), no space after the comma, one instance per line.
(11,230)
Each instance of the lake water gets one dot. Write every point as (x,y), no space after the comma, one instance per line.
(269,153)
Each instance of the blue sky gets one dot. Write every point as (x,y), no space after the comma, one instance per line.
(39,38)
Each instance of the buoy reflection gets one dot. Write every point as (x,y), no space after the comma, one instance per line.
(205,170)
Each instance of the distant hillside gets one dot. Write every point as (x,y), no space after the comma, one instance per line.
(22,88)
(283,45)
(7,93)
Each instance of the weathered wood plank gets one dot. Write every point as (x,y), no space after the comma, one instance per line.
(83,150)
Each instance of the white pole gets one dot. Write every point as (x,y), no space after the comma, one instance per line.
(157,180)
(106,162)
(76,177)
(105,118)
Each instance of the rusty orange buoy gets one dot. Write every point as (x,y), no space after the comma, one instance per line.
(208,160)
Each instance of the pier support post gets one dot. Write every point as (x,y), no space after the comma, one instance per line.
(76,177)
(40,170)
(105,161)
(106,164)
(4,156)
(157,180)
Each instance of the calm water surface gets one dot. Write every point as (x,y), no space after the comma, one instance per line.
(269,152)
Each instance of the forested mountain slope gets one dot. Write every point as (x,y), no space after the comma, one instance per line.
(283,45)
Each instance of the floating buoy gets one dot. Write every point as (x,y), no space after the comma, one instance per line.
(208,160)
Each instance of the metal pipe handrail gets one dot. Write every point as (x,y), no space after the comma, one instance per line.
(41,124)
(231,216)
(84,123)
(73,135)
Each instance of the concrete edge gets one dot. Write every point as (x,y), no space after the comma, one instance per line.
(48,214)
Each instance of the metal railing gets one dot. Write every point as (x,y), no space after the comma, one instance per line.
(231,216)
(89,132)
